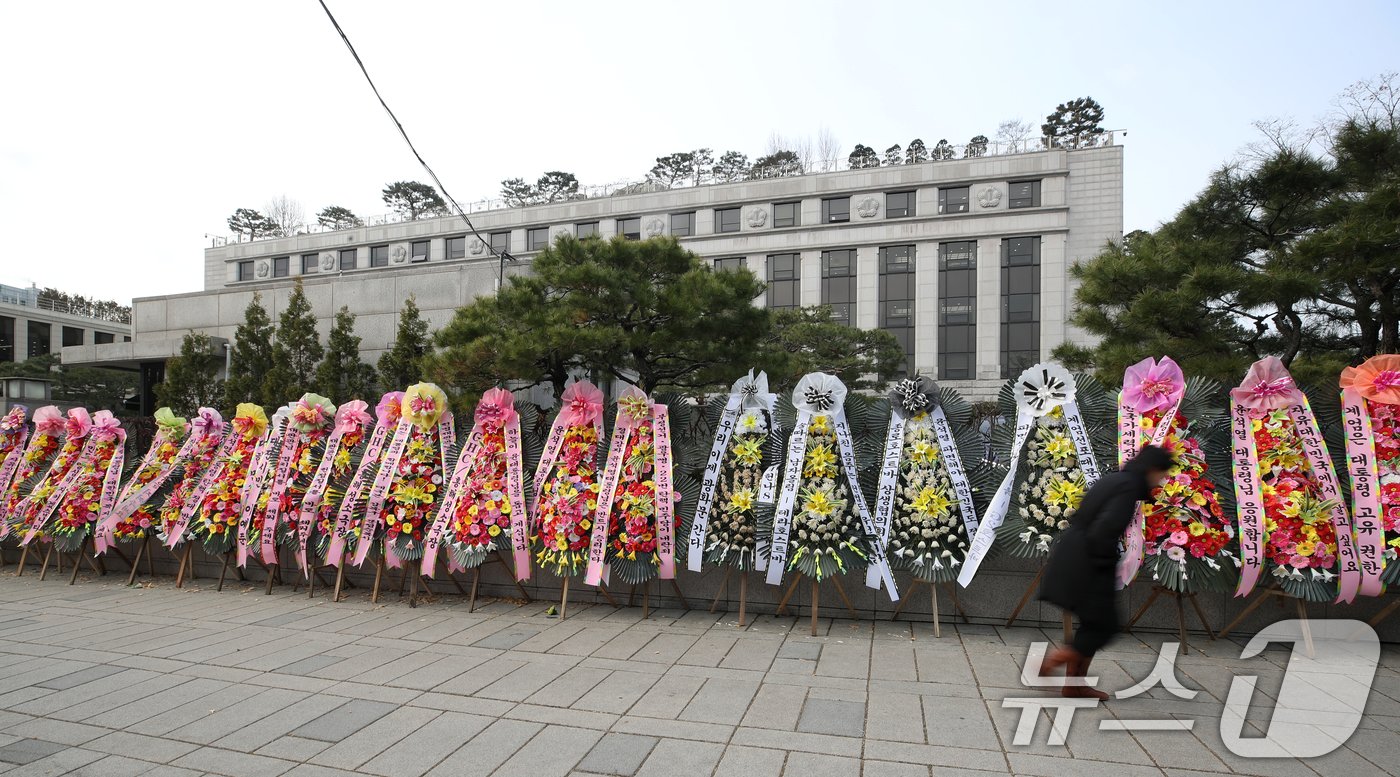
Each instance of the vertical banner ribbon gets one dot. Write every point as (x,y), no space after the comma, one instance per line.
(379,490)
(196,497)
(263,457)
(1365,491)
(709,483)
(345,515)
(665,493)
(878,562)
(957,473)
(612,473)
(1325,473)
(787,498)
(1248,497)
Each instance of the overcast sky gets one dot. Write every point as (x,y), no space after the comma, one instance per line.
(130,130)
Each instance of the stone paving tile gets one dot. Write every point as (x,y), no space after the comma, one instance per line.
(181,683)
(620,754)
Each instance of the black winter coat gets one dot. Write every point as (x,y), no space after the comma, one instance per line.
(1081,573)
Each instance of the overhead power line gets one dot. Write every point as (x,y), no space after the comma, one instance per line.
(503,256)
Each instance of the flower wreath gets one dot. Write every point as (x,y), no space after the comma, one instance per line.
(1291,514)
(30,515)
(1371,421)
(1181,534)
(92,488)
(14,432)
(634,532)
(339,460)
(354,489)
(821,525)
(924,505)
(39,453)
(413,471)
(134,513)
(566,483)
(191,477)
(733,509)
(484,509)
(309,427)
(217,502)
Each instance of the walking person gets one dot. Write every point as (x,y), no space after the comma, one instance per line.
(1081,574)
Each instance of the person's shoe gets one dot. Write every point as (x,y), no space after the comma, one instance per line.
(1063,655)
(1079,667)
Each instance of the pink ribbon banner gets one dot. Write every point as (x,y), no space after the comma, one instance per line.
(345,516)
(1248,498)
(379,491)
(206,481)
(1365,491)
(1325,473)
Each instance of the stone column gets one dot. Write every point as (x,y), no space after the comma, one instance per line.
(1056,298)
(989,309)
(867,287)
(926,308)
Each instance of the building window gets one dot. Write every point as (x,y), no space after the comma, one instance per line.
(586,229)
(787,214)
(126,338)
(731,263)
(245,270)
(347,258)
(281,266)
(784,279)
(38,339)
(500,242)
(839,284)
(726,219)
(1023,194)
(72,335)
(7,339)
(1020,304)
(537,239)
(310,263)
(683,224)
(420,250)
(953,200)
(957,310)
(457,247)
(897,299)
(836,209)
(379,256)
(630,228)
(899,205)
(102,338)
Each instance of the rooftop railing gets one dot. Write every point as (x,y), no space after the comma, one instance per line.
(949,153)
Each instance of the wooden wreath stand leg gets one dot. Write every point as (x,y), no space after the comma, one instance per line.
(723,584)
(1385,613)
(223,571)
(82,555)
(743,597)
(1026,597)
(1278,593)
(378,577)
(23,555)
(816,598)
(186,566)
(340,581)
(1181,600)
(143,549)
(43,570)
(914,585)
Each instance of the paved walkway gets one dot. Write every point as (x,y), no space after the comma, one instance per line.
(98,679)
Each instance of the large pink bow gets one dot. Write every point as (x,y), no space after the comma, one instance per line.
(582,404)
(390,407)
(14,419)
(105,426)
(79,423)
(496,408)
(352,415)
(1151,385)
(1267,386)
(207,422)
(48,420)
(633,408)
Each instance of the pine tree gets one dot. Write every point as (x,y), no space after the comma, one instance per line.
(1075,124)
(402,365)
(250,359)
(894,155)
(192,378)
(342,375)
(916,153)
(295,354)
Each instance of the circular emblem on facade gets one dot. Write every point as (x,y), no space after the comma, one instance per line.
(477,247)
(264,268)
(868,207)
(655,227)
(400,254)
(757,218)
(327,262)
(989,197)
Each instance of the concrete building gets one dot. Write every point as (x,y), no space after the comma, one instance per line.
(31,325)
(965,260)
